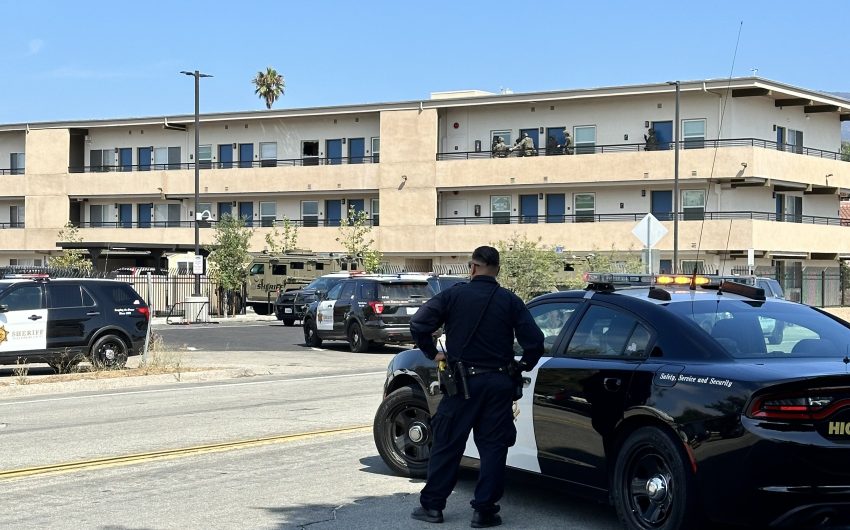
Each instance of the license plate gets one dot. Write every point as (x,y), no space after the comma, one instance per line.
(287,310)
(412,310)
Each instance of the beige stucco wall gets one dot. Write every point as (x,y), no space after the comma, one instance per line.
(840,312)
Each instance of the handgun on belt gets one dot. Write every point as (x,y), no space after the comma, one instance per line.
(462,371)
(448,384)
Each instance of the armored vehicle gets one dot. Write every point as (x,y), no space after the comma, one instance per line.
(271,274)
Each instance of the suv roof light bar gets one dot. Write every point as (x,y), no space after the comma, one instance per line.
(609,281)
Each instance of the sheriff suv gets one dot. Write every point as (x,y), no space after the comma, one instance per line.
(64,321)
(365,311)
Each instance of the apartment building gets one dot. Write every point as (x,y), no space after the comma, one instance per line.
(759,176)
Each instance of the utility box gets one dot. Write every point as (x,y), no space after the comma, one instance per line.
(197,309)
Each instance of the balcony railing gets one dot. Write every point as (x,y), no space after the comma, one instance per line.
(253,223)
(12,171)
(635,217)
(636,147)
(284,162)
(13,224)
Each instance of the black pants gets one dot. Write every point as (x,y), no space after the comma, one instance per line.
(488,414)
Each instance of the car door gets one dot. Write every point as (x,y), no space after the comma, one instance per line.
(70,311)
(580,394)
(23,319)
(554,318)
(342,308)
(325,311)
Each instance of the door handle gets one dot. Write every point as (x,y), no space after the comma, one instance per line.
(92,313)
(612,384)
(34,317)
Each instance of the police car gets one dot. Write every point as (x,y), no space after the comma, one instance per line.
(64,321)
(292,305)
(666,396)
(366,310)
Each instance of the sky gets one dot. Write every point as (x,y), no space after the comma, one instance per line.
(66,61)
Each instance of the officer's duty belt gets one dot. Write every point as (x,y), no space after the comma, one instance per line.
(476,370)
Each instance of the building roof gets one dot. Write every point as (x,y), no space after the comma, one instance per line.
(743,86)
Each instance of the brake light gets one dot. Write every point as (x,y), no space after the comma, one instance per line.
(145,310)
(813,406)
(377,307)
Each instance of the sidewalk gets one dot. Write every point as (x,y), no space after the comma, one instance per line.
(249,316)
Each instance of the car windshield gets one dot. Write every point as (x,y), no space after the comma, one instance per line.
(403,291)
(323,284)
(748,329)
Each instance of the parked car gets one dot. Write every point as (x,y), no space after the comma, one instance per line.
(669,402)
(64,321)
(366,311)
(290,306)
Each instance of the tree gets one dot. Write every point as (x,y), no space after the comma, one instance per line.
(71,258)
(611,261)
(270,85)
(285,242)
(354,236)
(229,258)
(528,267)
(845,151)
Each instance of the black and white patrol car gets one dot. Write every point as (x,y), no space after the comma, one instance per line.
(366,310)
(676,402)
(64,321)
(292,305)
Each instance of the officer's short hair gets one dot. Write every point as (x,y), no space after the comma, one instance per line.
(487,255)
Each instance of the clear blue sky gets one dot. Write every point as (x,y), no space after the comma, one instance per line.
(104,59)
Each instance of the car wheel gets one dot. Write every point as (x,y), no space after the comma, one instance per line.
(108,351)
(356,340)
(261,309)
(402,431)
(288,321)
(653,483)
(311,334)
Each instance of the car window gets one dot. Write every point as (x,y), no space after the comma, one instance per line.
(22,298)
(368,291)
(333,294)
(551,318)
(768,330)
(347,291)
(257,268)
(121,294)
(604,331)
(279,270)
(88,299)
(403,291)
(64,295)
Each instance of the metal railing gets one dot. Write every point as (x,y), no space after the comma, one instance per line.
(13,224)
(281,162)
(637,216)
(252,223)
(642,146)
(13,171)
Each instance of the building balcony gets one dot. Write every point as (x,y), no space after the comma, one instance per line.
(285,162)
(211,223)
(635,217)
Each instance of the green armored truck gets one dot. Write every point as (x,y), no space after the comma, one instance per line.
(271,274)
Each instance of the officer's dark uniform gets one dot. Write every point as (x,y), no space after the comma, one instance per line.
(488,411)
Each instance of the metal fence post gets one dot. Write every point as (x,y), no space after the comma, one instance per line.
(823,288)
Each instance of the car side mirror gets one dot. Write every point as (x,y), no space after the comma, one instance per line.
(321,295)
(4,308)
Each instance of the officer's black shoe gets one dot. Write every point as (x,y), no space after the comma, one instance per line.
(485,520)
(429,516)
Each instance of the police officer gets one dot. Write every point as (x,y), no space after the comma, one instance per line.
(500,148)
(481,319)
(525,146)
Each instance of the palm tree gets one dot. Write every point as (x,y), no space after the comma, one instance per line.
(270,85)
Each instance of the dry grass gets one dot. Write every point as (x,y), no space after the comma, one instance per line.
(21,371)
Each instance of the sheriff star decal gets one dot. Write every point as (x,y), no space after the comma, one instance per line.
(3,335)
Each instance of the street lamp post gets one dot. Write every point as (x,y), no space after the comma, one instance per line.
(676,182)
(197,75)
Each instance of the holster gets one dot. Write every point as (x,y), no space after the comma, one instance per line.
(515,374)
(448,379)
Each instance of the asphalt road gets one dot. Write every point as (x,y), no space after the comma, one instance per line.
(299,453)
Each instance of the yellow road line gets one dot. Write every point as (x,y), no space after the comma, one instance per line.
(166,454)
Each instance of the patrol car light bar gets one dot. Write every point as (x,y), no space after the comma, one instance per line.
(706,280)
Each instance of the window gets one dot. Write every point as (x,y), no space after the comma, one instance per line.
(789,208)
(204,156)
(23,298)
(688,266)
(166,215)
(205,207)
(584,139)
(278,269)
(310,152)
(310,213)
(404,291)
(376,149)
(500,209)
(257,268)
(297,265)
(693,134)
(17,163)
(693,205)
(333,294)
(160,158)
(584,206)
(347,291)
(123,295)
(268,154)
(505,134)
(376,210)
(16,216)
(64,295)
(551,319)
(268,213)
(98,214)
(607,332)
(101,159)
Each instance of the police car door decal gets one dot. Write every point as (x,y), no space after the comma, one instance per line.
(23,330)
(523,455)
(325,315)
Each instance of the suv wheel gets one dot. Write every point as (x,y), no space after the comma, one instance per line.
(109,351)
(356,340)
(311,334)
(402,431)
(261,309)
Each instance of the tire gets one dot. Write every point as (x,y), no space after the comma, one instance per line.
(356,340)
(311,334)
(109,351)
(402,432)
(652,459)
(288,321)
(261,309)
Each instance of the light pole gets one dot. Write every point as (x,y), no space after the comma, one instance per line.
(676,182)
(197,75)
